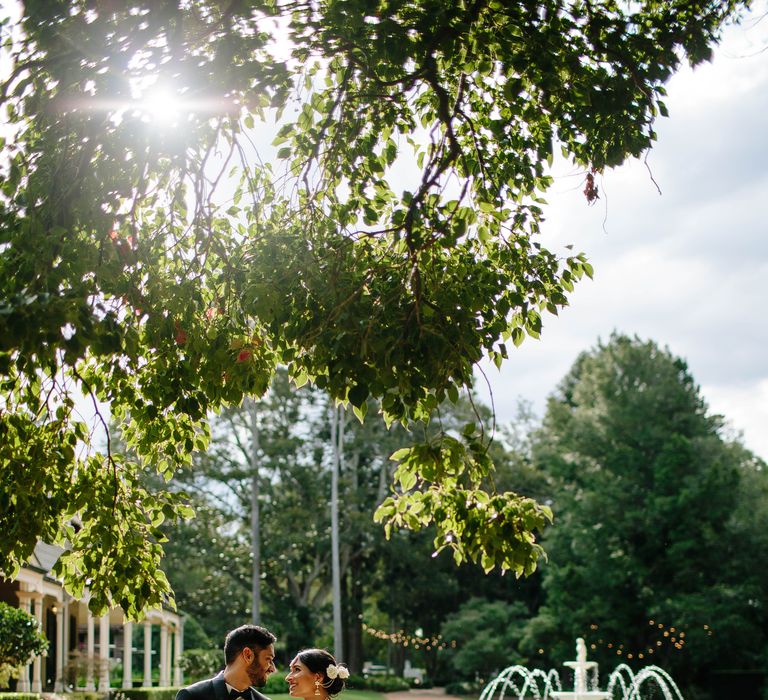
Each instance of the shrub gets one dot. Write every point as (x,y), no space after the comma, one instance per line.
(144,694)
(19,696)
(201,663)
(275,685)
(463,688)
(488,634)
(84,695)
(381,684)
(386,684)
(20,639)
(75,670)
(356,681)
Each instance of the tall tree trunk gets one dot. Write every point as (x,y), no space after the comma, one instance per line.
(384,480)
(395,653)
(354,606)
(337,439)
(255,524)
(398,659)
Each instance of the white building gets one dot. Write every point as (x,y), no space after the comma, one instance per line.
(73,632)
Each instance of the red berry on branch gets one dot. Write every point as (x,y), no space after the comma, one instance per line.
(181,334)
(244,355)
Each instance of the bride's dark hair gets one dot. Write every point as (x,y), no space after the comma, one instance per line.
(318,661)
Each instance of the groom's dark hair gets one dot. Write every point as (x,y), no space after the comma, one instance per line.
(244,636)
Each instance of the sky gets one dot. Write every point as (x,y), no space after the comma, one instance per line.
(687,268)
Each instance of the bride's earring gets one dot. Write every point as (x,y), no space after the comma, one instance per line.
(317,686)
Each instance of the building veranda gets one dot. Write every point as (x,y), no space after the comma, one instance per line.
(84,650)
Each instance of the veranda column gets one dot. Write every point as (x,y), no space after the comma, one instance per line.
(164,680)
(104,653)
(37,664)
(147,654)
(168,653)
(178,647)
(89,650)
(23,685)
(60,618)
(66,630)
(127,654)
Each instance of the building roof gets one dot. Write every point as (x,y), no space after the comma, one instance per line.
(45,556)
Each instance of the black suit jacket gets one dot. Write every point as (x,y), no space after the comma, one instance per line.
(212,689)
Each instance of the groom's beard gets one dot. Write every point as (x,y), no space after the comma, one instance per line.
(257,675)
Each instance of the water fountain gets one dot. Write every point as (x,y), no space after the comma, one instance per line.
(623,684)
(580,668)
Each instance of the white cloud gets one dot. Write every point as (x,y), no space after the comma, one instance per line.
(687,269)
(746,410)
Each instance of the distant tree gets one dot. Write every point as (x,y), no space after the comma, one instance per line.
(420,588)
(292,493)
(740,629)
(20,639)
(293,481)
(195,636)
(206,561)
(487,634)
(198,663)
(398,581)
(657,520)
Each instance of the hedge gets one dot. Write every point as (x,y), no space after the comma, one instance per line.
(384,684)
(143,694)
(463,688)
(276,685)
(74,695)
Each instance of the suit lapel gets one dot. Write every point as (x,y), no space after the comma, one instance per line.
(220,687)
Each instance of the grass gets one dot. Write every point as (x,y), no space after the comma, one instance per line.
(347,695)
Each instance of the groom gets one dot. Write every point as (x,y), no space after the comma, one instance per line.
(249,653)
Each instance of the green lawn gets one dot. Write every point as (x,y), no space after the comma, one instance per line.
(346,695)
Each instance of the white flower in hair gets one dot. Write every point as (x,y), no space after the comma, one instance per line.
(337,671)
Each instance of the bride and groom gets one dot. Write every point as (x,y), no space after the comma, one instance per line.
(249,654)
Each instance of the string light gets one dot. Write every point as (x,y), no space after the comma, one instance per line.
(403,639)
(674,635)
(434,643)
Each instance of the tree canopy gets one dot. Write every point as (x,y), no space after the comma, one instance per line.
(152,259)
(658,520)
